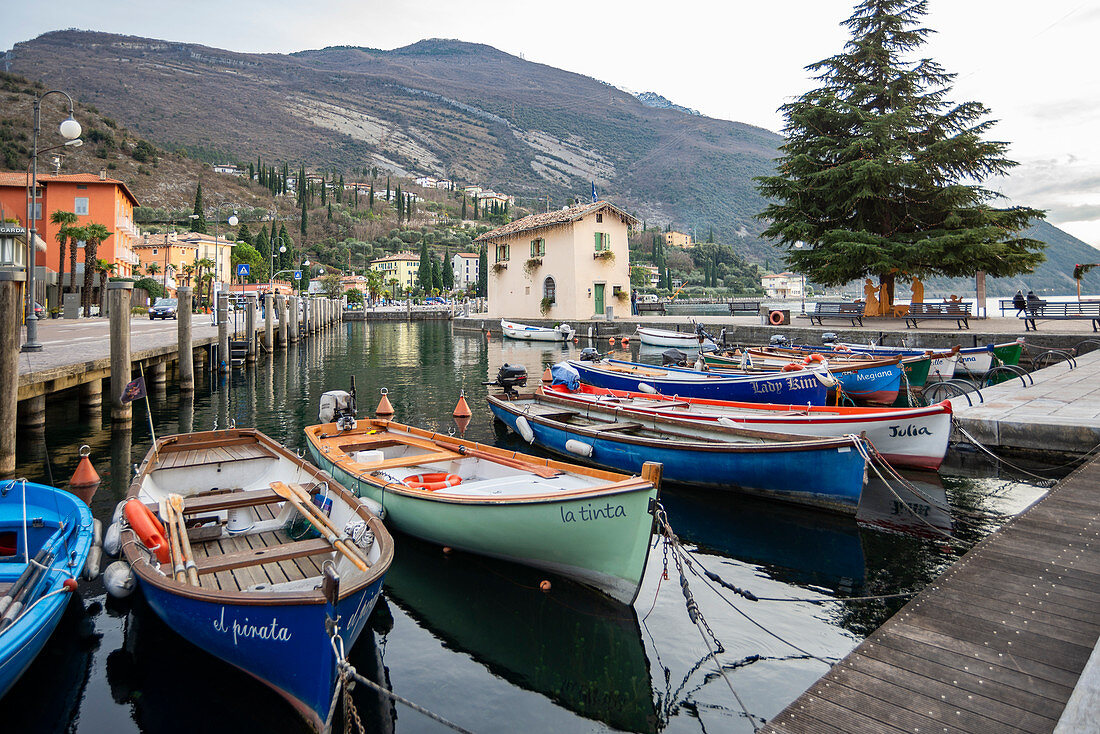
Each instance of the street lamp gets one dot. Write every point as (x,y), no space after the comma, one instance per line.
(70,130)
(798,246)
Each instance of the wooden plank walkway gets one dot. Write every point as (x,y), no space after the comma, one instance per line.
(996,644)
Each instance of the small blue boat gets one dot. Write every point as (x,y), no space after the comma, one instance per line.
(259,571)
(827,473)
(54,530)
(804,387)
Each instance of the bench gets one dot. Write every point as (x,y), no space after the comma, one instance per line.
(658,307)
(957,312)
(851,310)
(1061,311)
(744,307)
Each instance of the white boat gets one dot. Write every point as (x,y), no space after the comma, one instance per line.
(559,333)
(678,339)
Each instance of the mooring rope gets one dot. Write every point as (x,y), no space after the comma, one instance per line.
(985,449)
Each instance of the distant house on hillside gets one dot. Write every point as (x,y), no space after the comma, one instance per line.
(677,239)
(428,182)
(404,266)
(782,285)
(466,266)
(472,190)
(573,260)
(228,169)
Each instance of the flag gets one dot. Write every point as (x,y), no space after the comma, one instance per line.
(134,390)
(594,198)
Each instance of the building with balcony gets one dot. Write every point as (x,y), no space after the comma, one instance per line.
(404,267)
(782,285)
(677,239)
(466,267)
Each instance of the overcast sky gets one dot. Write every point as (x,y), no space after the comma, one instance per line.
(1032,62)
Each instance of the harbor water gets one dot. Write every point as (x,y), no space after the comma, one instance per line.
(475,640)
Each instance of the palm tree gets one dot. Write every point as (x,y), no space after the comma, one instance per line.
(105,270)
(202,277)
(188,270)
(93,235)
(393,283)
(374,284)
(66,220)
(152,269)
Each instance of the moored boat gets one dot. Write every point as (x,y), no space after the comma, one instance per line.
(273,549)
(586,524)
(942,365)
(910,437)
(869,380)
(515,330)
(821,472)
(806,387)
(46,535)
(679,339)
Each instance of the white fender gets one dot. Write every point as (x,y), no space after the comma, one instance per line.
(824,378)
(119,579)
(112,540)
(97,532)
(91,564)
(376,508)
(580,448)
(117,514)
(524,429)
(645,387)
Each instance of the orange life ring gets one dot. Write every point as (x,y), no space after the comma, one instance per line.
(792,367)
(433,482)
(147,527)
(815,357)
(841,348)
(776,318)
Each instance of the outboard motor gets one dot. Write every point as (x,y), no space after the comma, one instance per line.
(509,376)
(673,357)
(778,340)
(829,337)
(338,407)
(589,354)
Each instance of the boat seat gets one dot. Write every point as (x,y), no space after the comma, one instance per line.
(617,427)
(229,501)
(260,556)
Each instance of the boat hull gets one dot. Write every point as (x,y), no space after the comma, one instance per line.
(914,438)
(827,477)
(602,541)
(513,330)
(285,647)
(23,640)
(797,388)
(666,338)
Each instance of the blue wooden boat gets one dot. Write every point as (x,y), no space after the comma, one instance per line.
(804,387)
(54,530)
(827,473)
(250,581)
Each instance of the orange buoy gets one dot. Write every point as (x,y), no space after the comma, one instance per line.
(576,340)
(546,376)
(384,407)
(611,341)
(446,549)
(462,424)
(544,585)
(626,341)
(462,410)
(85,475)
(70,584)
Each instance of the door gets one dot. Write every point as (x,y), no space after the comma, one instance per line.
(598,290)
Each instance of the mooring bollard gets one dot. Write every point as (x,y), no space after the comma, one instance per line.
(11,289)
(118,303)
(250,327)
(269,322)
(294,318)
(91,396)
(280,308)
(184,351)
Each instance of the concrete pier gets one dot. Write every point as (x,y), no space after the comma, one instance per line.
(158,376)
(118,295)
(183,331)
(91,396)
(32,414)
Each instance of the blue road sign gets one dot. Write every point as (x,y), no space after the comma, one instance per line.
(242,269)
(297,275)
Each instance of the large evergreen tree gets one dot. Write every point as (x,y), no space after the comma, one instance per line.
(881,175)
(448,271)
(424,274)
(483,272)
(198,223)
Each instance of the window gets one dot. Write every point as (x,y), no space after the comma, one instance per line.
(154,251)
(538,247)
(603,241)
(80,205)
(82,186)
(549,290)
(599,216)
(503,253)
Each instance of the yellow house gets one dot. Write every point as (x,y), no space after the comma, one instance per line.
(677,239)
(404,266)
(567,264)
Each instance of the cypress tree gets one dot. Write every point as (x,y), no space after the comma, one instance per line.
(437,274)
(424,274)
(340,190)
(483,271)
(448,271)
(198,224)
(243,235)
(464,206)
(881,175)
(409,208)
(330,212)
(324,190)
(302,227)
(370,197)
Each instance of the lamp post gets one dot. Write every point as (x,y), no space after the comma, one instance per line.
(798,246)
(70,130)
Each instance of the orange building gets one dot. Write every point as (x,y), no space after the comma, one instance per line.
(94,199)
(170,255)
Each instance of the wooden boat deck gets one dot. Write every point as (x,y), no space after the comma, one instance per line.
(276,572)
(996,644)
(213,455)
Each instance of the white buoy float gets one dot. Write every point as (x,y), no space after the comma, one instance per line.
(119,579)
(524,429)
(580,448)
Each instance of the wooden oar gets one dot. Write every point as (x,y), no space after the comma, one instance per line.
(176,501)
(303,495)
(304,510)
(539,470)
(173,542)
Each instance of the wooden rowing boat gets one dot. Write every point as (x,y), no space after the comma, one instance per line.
(589,525)
(273,548)
(516,330)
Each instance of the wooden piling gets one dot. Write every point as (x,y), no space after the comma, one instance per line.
(183,334)
(11,288)
(158,372)
(118,303)
(91,396)
(269,322)
(224,358)
(292,326)
(250,327)
(281,310)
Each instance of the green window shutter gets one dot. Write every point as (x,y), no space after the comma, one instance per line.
(599,238)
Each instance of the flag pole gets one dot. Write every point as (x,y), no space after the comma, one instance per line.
(149,413)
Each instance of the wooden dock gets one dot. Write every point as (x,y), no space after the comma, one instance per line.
(997,644)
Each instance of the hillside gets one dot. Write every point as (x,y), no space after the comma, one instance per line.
(467,111)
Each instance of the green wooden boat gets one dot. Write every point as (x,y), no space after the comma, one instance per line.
(587,524)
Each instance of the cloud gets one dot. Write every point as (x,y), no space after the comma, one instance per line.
(1073,213)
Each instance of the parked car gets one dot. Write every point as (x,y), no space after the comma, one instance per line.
(39,311)
(163,308)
